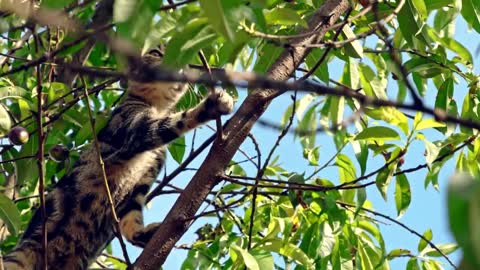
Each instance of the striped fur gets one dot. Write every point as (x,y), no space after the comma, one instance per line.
(133,143)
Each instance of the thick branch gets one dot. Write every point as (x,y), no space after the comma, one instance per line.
(176,223)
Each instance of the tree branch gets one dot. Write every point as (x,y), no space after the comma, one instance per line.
(223,149)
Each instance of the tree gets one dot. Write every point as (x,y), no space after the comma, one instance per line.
(403,72)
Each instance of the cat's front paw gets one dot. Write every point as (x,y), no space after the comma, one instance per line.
(219,103)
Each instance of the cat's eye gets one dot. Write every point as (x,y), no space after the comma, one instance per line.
(155,52)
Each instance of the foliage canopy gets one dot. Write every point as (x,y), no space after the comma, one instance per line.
(380,79)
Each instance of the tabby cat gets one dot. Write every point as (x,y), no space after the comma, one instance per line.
(133,143)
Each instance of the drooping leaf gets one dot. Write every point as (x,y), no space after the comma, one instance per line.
(353,48)
(246,257)
(5,121)
(291,251)
(9,214)
(444,248)
(383,180)
(471,13)
(422,244)
(177,149)
(403,195)
(214,10)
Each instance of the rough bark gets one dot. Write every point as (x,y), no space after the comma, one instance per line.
(178,219)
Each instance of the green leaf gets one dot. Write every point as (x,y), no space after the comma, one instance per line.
(353,48)
(291,251)
(56,90)
(403,195)
(185,45)
(428,123)
(444,18)
(413,264)
(361,197)
(444,93)
(463,53)
(312,155)
(422,244)
(390,115)
(12,92)
(444,248)
(5,121)
(9,214)
(56,4)
(123,9)
(361,153)
(378,133)
(302,105)
(347,173)
(383,181)
(267,55)
(246,257)
(264,259)
(463,201)
(421,8)
(322,71)
(432,151)
(177,149)
(437,4)
(337,109)
(425,67)
(410,25)
(284,16)
(471,13)
(26,170)
(215,13)
(307,126)
(346,167)
(398,253)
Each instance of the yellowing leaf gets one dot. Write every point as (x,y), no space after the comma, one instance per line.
(428,123)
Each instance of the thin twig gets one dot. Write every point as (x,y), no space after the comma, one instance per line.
(204,61)
(329,48)
(156,191)
(41,171)
(104,175)
(264,167)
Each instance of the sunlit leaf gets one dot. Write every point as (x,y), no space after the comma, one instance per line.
(352,48)
(383,133)
(444,248)
(246,257)
(383,181)
(284,16)
(423,244)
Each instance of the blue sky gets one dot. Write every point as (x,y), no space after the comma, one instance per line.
(427,209)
